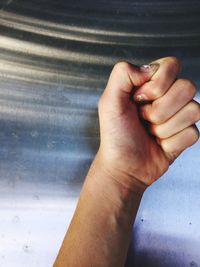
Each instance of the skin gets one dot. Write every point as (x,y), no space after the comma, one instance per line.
(139,141)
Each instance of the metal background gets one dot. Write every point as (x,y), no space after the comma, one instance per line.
(55,58)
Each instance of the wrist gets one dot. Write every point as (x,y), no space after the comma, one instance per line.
(111,184)
(120,175)
(110,194)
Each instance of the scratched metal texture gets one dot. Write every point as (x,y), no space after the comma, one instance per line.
(55,58)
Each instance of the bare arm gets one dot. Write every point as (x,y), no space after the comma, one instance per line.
(130,158)
(100,231)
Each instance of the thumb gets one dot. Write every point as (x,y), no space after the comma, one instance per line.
(125,76)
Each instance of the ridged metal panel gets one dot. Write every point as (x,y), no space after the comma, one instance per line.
(55,58)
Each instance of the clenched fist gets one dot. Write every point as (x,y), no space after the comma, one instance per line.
(147,118)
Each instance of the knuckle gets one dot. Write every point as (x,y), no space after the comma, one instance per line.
(194,111)
(156,92)
(187,83)
(156,117)
(155,130)
(194,133)
(188,87)
(165,146)
(174,63)
(122,66)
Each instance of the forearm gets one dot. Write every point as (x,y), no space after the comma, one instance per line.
(100,231)
(135,154)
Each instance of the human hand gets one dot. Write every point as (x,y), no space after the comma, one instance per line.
(130,151)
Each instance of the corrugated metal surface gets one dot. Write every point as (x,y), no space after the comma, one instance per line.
(55,58)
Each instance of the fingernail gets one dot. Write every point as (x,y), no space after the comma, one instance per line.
(140,98)
(150,68)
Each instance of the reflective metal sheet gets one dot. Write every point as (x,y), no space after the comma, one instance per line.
(55,58)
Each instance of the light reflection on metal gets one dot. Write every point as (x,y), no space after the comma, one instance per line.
(55,58)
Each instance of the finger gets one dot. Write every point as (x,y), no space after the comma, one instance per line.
(180,93)
(161,81)
(124,77)
(176,144)
(187,116)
